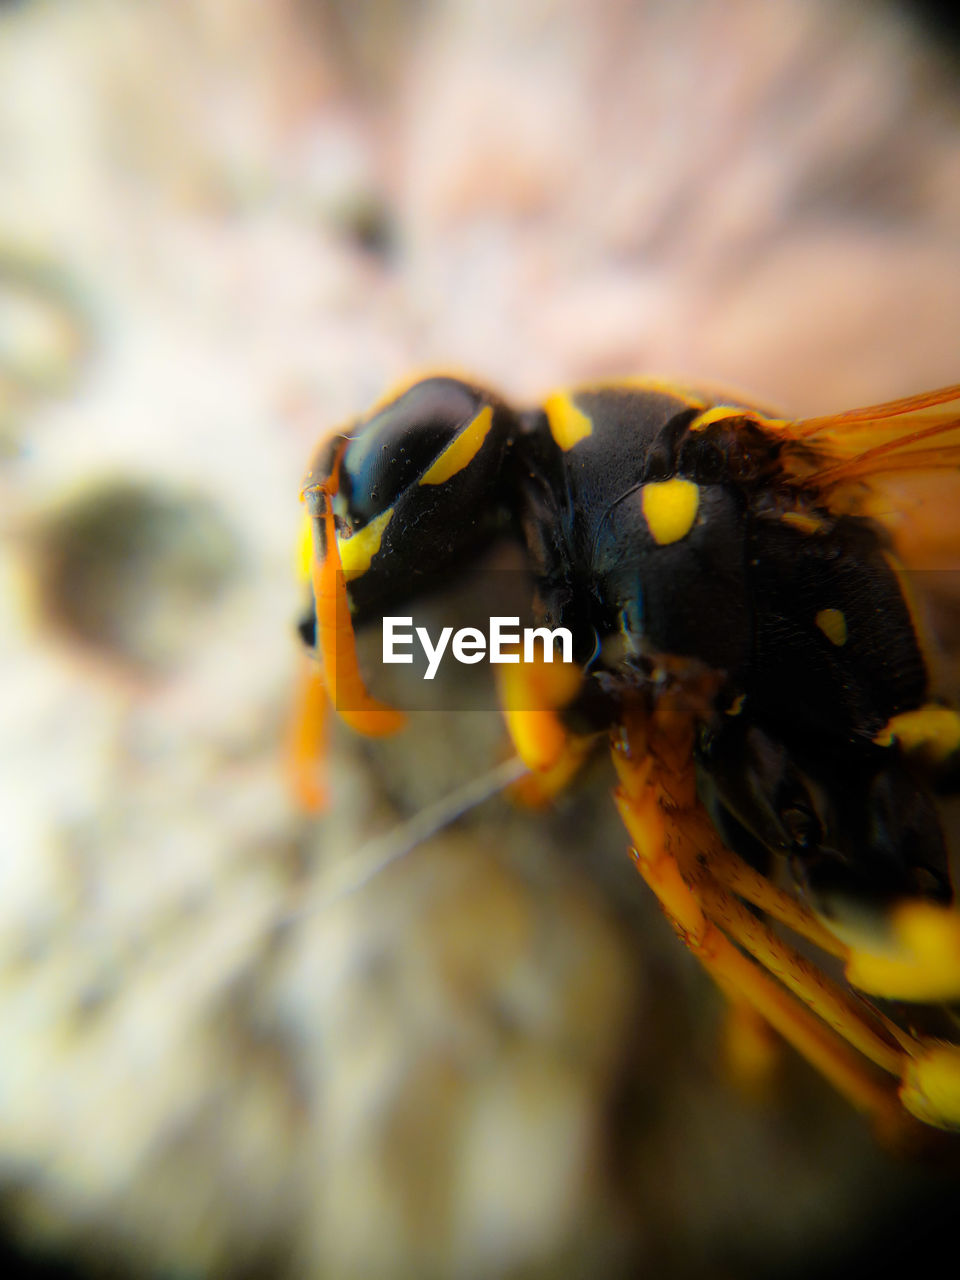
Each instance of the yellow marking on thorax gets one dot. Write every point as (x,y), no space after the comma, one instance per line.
(933,729)
(462,449)
(720,413)
(568,424)
(803,521)
(670,508)
(357,552)
(692,397)
(833,624)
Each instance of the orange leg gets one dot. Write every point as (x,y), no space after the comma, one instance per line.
(746,883)
(648,790)
(826,999)
(333,675)
(733,971)
(337,647)
(752,1049)
(336,643)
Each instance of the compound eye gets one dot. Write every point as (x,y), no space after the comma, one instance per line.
(403,442)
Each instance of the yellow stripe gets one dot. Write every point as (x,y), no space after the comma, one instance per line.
(568,424)
(462,450)
(692,397)
(803,521)
(670,508)
(305,549)
(923,963)
(357,552)
(933,729)
(720,413)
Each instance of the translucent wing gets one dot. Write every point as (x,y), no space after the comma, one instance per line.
(898,463)
(918,434)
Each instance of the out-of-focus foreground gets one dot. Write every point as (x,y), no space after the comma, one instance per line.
(225,226)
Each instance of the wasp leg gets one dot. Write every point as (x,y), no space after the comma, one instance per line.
(926,968)
(824,998)
(641,801)
(750,1045)
(737,875)
(531,694)
(335,639)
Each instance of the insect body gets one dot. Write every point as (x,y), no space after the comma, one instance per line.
(741,634)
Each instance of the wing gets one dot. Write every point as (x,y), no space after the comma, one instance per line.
(918,434)
(898,463)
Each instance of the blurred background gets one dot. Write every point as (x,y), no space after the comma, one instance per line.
(225,227)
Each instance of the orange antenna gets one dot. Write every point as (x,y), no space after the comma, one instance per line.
(336,642)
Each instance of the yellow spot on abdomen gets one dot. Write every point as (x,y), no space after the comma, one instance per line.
(933,729)
(931,1085)
(357,552)
(833,624)
(920,961)
(568,424)
(670,508)
(462,449)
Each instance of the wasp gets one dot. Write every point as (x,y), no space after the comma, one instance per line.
(745,643)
